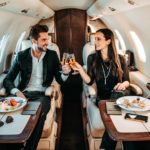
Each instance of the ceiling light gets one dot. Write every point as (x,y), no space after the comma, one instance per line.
(132,2)
(112,9)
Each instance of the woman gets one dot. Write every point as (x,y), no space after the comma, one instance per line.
(109,72)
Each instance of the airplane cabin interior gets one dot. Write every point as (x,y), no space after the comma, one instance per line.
(74,121)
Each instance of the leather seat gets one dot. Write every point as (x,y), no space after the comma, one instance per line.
(53,46)
(88,49)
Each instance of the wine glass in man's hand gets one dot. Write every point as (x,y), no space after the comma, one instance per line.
(65,64)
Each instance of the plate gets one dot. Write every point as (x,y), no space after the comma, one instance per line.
(133,104)
(21,102)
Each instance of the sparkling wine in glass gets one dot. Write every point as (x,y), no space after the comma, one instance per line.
(72,61)
(64,60)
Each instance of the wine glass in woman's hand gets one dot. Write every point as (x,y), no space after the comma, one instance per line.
(72,63)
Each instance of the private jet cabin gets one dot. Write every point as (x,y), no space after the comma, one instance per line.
(74,122)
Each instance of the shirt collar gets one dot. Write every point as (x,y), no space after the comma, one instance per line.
(41,57)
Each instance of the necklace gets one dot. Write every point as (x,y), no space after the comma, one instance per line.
(104,73)
(107,67)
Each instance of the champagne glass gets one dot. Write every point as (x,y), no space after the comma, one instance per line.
(64,60)
(72,61)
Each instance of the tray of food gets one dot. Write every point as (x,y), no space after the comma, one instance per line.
(133,103)
(9,104)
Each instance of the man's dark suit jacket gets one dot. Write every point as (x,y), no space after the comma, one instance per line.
(23,65)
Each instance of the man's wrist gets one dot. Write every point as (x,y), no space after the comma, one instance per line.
(14,91)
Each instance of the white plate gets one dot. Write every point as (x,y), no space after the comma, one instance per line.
(135,107)
(22,102)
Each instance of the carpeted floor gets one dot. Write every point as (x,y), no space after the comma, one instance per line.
(72,136)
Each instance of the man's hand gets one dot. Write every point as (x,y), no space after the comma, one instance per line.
(20,94)
(66,69)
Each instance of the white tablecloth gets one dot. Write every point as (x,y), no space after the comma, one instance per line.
(15,127)
(127,126)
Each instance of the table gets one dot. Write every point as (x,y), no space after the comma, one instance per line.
(24,136)
(112,131)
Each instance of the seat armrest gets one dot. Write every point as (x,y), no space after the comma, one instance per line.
(2,77)
(52,92)
(2,92)
(91,92)
(49,91)
(136,89)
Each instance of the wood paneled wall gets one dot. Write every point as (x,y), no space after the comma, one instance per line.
(71,31)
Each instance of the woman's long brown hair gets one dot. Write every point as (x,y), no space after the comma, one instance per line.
(112,52)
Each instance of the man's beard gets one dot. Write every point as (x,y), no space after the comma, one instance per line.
(42,49)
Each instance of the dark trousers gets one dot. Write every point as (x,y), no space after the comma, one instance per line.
(109,144)
(32,142)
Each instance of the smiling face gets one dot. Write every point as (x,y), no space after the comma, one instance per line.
(41,43)
(100,42)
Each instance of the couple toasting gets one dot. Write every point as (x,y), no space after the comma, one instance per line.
(38,66)
(109,71)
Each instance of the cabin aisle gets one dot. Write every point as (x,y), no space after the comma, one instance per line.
(72,135)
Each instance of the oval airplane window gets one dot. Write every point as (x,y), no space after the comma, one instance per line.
(18,45)
(121,44)
(3,44)
(139,46)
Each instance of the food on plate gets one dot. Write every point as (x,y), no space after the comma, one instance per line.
(126,103)
(134,103)
(13,102)
(137,100)
(142,104)
(9,104)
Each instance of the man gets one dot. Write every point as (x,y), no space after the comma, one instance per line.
(37,67)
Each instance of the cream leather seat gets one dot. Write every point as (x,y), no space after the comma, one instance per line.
(88,49)
(95,127)
(54,47)
(48,139)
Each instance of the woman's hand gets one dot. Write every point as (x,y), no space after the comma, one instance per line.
(66,68)
(76,67)
(121,86)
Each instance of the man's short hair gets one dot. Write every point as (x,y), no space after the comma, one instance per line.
(36,29)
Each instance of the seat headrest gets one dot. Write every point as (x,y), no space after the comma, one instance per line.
(87,50)
(92,39)
(54,47)
(26,44)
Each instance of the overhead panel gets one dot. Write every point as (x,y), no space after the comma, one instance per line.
(64,4)
(33,8)
(109,7)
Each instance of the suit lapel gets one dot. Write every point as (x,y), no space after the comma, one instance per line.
(45,67)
